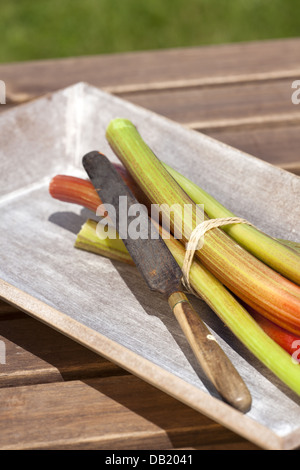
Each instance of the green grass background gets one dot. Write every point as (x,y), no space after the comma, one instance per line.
(41,29)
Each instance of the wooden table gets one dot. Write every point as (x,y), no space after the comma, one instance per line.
(55,394)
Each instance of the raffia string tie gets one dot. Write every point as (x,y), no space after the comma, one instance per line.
(196,237)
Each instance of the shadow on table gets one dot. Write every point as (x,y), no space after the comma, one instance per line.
(161,421)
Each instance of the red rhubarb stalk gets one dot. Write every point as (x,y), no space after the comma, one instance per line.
(287,340)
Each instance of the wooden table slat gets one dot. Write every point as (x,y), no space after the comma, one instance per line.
(113,70)
(112,413)
(37,354)
(222,103)
(277,145)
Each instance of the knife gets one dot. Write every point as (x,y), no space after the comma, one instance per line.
(162,274)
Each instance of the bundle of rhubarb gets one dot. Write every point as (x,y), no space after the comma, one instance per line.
(249,279)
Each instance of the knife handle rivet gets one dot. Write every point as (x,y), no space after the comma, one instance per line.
(211,338)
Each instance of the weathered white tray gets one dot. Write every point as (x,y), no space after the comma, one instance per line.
(106,305)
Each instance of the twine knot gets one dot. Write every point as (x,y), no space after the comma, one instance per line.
(196,242)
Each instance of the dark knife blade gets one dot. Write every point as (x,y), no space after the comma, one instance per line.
(149,252)
(161,272)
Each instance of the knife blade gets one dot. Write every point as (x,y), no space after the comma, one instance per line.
(162,274)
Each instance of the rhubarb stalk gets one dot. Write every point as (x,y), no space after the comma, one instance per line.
(228,309)
(246,276)
(280,256)
(78,191)
(217,297)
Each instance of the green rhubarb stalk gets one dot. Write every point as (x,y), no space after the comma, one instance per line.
(228,309)
(246,276)
(113,248)
(279,256)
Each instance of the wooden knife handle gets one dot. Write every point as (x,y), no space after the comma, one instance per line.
(213,360)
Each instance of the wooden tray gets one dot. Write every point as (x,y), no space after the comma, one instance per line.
(106,305)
